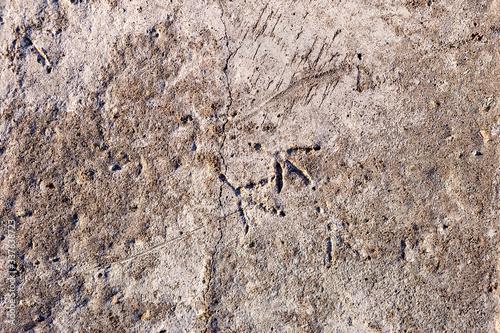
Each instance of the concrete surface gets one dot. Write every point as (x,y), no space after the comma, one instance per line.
(236,166)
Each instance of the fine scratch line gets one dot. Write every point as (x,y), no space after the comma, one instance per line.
(333,74)
(154,248)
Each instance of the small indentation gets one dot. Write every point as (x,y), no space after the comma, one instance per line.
(279,177)
(293,169)
(186,119)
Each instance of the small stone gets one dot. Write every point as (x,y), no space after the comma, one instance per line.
(486,136)
(146,315)
(23,213)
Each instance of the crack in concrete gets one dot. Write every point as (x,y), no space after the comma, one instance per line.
(229,104)
(157,247)
(206,294)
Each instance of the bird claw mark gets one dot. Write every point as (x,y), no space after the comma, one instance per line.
(243,218)
(306,149)
(274,210)
(328,257)
(236,190)
(43,55)
(260,183)
(279,176)
(302,173)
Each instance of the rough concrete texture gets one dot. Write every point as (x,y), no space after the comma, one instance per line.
(237,166)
